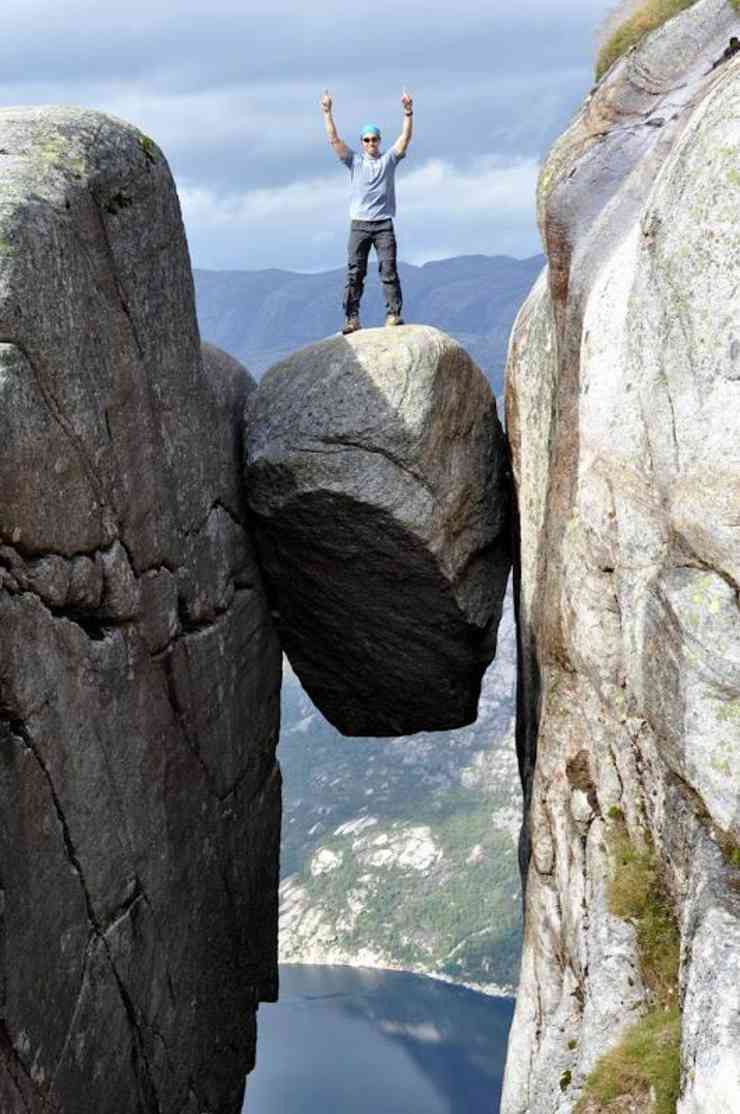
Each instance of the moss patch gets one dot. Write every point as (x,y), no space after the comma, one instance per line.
(647,1056)
(733,856)
(637,894)
(149,147)
(729,847)
(578,772)
(652,14)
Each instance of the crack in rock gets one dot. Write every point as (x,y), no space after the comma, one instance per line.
(19,729)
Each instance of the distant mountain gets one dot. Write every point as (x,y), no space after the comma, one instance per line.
(261,316)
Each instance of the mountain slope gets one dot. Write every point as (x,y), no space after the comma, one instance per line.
(403,852)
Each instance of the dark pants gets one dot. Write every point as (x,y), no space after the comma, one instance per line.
(363,235)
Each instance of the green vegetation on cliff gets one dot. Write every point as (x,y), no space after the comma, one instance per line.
(636,894)
(732,855)
(648,1057)
(648,17)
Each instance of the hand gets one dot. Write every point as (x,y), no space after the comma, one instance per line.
(325,101)
(407,101)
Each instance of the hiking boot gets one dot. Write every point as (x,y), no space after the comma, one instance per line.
(394,319)
(351,325)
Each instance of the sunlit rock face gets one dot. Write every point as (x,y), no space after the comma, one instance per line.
(623,411)
(378,477)
(139,668)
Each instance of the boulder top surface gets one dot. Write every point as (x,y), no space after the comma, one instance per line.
(410,394)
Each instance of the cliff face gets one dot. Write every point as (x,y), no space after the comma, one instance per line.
(623,404)
(139,670)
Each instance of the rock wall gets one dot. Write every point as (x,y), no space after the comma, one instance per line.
(623,412)
(139,669)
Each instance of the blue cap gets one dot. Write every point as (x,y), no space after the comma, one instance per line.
(370,129)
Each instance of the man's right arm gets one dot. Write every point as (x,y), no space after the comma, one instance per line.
(340,147)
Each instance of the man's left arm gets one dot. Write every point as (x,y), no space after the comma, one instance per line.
(408,125)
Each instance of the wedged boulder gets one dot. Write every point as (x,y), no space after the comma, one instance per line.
(378,480)
(222,365)
(139,667)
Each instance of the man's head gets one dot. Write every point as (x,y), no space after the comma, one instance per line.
(371,140)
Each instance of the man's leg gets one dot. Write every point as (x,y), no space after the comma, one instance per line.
(358,250)
(385,245)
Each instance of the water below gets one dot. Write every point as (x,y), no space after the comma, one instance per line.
(345,1040)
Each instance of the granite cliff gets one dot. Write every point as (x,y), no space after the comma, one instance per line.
(139,666)
(623,405)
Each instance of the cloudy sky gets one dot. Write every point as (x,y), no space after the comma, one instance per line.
(230,92)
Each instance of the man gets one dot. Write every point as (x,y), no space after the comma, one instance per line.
(372,210)
(729,52)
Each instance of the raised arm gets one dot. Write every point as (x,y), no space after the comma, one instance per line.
(408,124)
(340,147)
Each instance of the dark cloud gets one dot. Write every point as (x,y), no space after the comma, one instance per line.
(224,42)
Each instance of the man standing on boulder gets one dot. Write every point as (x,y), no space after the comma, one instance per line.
(372,210)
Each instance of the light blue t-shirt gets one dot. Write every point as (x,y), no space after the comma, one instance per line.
(373,185)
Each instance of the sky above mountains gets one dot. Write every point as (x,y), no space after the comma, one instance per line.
(230,91)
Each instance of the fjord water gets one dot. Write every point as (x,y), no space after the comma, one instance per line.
(345,1040)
